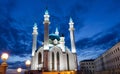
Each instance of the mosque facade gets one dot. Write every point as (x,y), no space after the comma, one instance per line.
(53,55)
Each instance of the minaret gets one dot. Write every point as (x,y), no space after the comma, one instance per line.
(35,33)
(46,30)
(62,42)
(71,29)
(46,40)
(56,31)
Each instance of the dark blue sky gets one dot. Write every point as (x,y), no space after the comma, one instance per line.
(97,25)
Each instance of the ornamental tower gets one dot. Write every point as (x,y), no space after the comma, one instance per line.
(34,45)
(46,40)
(71,29)
(35,33)
(46,30)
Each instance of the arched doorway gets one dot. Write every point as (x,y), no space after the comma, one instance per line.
(68,62)
(53,61)
(58,61)
(39,58)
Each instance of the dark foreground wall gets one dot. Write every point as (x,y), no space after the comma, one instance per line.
(40,72)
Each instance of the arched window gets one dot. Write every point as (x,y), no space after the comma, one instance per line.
(53,61)
(39,58)
(68,61)
(58,59)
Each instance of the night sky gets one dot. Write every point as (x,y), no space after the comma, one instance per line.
(97,26)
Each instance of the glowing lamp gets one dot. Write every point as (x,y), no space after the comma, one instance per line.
(19,70)
(28,63)
(4,57)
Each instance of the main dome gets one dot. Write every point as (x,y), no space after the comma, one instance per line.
(54,36)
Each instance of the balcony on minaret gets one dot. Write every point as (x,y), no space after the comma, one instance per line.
(71,24)
(46,18)
(35,29)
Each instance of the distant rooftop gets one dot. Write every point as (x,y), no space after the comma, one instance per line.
(87,60)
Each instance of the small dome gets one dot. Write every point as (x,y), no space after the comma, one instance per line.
(54,36)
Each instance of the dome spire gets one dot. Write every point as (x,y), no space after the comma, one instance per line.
(56,31)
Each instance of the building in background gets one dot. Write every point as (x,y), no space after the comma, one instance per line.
(53,55)
(107,63)
(87,66)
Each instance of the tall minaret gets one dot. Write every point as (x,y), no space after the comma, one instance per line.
(56,31)
(71,29)
(46,30)
(35,33)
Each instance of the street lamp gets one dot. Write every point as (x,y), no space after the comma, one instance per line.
(4,57)
(19,70)
(4,65)
(28,63)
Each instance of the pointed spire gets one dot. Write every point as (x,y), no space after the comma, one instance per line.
(46,12)
(56,31)
(46,17)
(35,29)
(35,26)
(71,23)
(71,19)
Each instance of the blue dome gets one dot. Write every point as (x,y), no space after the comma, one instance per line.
(54,36)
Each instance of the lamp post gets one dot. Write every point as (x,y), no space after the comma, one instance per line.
(28,63)
(19,70)
(4,65)
(4,57)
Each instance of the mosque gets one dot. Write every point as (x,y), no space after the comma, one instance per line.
(53,55)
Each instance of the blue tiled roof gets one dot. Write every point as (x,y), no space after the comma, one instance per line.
(54,36)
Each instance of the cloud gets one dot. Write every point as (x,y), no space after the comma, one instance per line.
(15,65)
(101,38)
(89,53)
(14,62)
(92,47)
